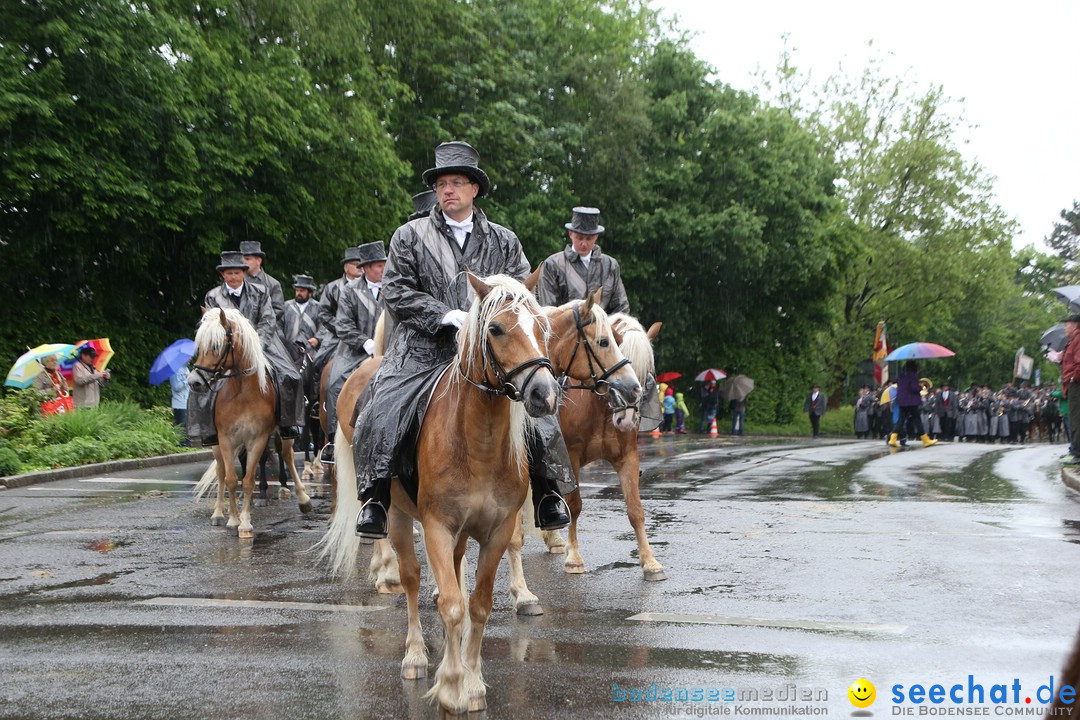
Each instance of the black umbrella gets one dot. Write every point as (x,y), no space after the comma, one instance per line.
(738,387)
(1054,338)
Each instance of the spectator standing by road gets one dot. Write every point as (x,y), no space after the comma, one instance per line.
(88,380)
(180,390)
(815,407)
(681,411)
(1070,373)
(909,400)
(710,403)
(738,416)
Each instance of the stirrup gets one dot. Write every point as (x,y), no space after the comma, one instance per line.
(326,455)
(558,522)
(371,529)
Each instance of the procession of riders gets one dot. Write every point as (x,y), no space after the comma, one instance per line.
(421,284)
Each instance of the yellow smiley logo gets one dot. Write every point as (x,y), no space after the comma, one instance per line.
(862,693)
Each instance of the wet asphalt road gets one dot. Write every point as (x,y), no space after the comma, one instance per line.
(793,567)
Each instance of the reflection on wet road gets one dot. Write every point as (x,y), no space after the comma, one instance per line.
(791,564)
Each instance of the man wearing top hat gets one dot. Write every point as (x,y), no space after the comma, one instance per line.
(253,259)
(815,406)
(328,306)
(253,302)
(300,319)
(359,305)
(422,202)
(581,267)
(948,410)
(426,289)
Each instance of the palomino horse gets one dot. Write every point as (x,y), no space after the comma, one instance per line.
(584,349)
(589,438)
(473,478)
(227,348)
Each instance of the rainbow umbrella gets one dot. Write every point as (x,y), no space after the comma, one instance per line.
(919,351)
(104,355)
(27,367)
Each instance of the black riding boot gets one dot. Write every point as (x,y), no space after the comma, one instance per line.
(372,521)
(549,507)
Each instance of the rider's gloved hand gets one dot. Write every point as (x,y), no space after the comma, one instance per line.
(369,346)
(455,318)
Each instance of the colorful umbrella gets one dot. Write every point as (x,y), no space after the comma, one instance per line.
(170,360)
(668,377)
(919,350)
(27,367)
(710,374)
(104,355)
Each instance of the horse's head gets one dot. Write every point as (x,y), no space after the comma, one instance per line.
(226,345)
(503,346)
(586,350)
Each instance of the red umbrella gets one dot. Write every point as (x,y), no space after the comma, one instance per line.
(710,374)
(668,377)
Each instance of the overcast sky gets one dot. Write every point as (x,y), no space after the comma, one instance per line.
(1015,67)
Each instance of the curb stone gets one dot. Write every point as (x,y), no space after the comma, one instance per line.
(1071,477)
(42,476)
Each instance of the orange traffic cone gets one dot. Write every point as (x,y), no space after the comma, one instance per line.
(712,429)
(655,431)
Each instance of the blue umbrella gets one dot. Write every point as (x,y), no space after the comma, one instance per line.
(170,360)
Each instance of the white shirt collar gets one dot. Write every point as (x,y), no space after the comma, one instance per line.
(460,229)
(236,292)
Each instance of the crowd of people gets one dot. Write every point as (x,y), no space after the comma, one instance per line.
(1009,415)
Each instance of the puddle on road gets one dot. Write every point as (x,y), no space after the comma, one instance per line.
(772,473)
(105,545)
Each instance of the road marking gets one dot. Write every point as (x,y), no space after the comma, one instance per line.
(770,622)
(136,481)
(257,604)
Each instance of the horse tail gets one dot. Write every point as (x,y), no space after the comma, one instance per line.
(206,482)
(380,334)
(340,547)
(528,515)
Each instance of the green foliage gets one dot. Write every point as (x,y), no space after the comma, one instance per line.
(111,431)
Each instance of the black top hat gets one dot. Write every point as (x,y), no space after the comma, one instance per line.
(352,254)
(304,281)
(251,247)
(232,260)
(586,221)
(422,204)
(458,158)
(372,252)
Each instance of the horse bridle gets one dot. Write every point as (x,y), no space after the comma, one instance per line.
(600,386)
(504,377)
(217,372)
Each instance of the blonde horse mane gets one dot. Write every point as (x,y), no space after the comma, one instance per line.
(473,344)
(211,337)
(635,345)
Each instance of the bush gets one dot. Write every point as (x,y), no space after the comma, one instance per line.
(9,462)
(79,451)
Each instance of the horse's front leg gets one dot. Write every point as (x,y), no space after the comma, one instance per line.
(245,528)
(383,570)
(288,457)
(228,468)
(414,664)
(449,687)
(525,603)
(573,564)
(487,565)
(629,475)
(218,517)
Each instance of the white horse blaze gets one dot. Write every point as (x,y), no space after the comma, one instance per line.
(527,322)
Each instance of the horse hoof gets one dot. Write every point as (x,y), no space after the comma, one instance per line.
(414,672)
(557,549)
(259,502)
(655,575)
(284,493)
(574,568)
(217,522)
(246,534)
(389,589)
(305,508)
(477,703)
(530,609)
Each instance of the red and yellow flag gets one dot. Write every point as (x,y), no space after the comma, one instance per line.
(881,349)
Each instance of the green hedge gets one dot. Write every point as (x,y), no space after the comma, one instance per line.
(111,431)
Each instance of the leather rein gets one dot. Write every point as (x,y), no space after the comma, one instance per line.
(210,375)
(600,386)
